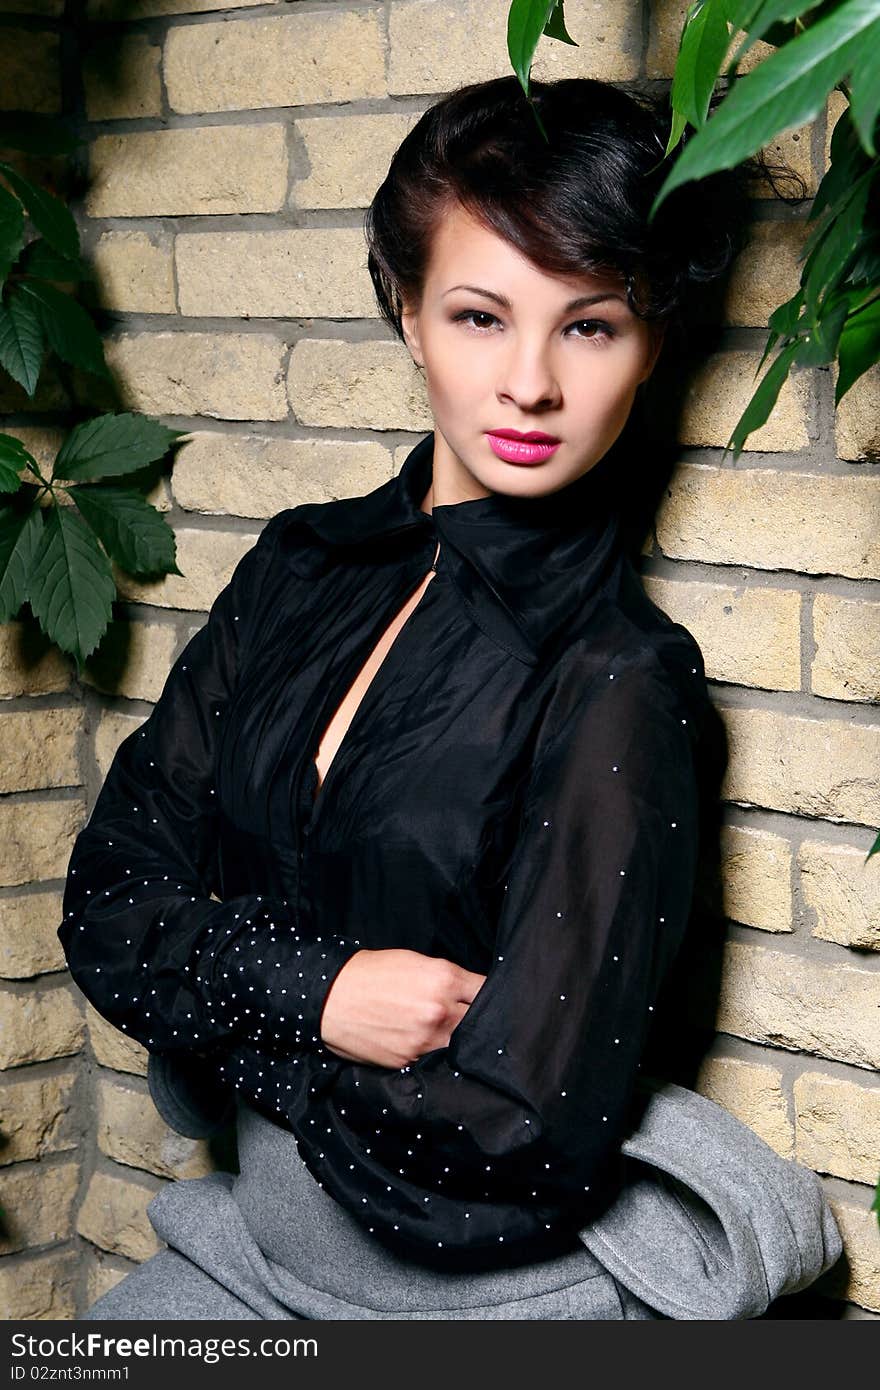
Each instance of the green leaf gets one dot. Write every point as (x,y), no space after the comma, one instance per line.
(111,445)
(765,17)
(37,134)
(43,261)
(847,162)
(859,347)
(819,343)
(864,85)
(785,91)
(131,530)
(11,231)
(49,215)
(676,128)
(875,849)
(837,248)
(11,463)
(21,532)
(21,338)
(526,22)
(71,588)
(764,398)
(68,328)
(704,42)
(555,26)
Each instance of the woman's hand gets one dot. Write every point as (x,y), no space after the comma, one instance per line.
(389,1007)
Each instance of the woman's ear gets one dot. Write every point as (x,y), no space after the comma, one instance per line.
(409,322)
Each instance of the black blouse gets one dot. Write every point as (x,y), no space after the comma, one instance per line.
(516,792)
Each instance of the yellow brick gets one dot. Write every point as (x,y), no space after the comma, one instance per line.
(194,170)
(748,635)
(366,385)
(296,59)
(113,727)
(843,891)
(131,1131)
(38,748)
(29,663)
(29,942)
(809,767)
(135,272)
(231,376)
(113,1216)
(36,839)
(113,1048)
(753,1094)
(772,520)
(292,273)
(257,475)
(435,45)
(40,1022)
(206,559)
(856,1276)
(134,659)
(756,878)
(36,1115)
(857,418)
(346,158)
(837,1126)
(783,1000)
(40,1288)
(847,637)
(718,393)
(37,1201)
(766,273)
(121,78)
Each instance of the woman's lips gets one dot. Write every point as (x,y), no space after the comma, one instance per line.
(520,450)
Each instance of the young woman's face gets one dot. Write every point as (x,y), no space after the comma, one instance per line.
(511,352)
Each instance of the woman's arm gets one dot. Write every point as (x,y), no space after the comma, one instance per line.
(144,941)
(512,1130)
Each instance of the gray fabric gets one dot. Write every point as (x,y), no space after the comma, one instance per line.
(711,1223)
(273,1242)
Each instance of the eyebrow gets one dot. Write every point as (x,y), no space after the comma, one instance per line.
(581,302)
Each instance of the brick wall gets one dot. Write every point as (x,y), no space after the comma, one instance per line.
(232,149)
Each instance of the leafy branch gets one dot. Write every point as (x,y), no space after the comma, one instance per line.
(54,555)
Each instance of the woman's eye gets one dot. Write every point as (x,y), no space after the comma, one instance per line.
(604,329)
(474,314)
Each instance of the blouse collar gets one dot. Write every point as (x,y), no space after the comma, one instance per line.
(526,568)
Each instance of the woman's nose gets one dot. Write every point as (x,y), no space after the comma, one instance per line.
(527,378)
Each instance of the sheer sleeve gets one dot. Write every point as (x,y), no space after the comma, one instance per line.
(144,940)
(508,1135)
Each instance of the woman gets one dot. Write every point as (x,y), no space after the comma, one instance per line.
(434,753)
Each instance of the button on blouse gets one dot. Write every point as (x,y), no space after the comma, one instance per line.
(516,792)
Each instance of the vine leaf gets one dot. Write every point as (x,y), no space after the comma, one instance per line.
(21,532)
(859,347)
(21,338)
(71,588)
(68,328)
(13,458)
(111,445)
(52,218)
(11,231)
(131,530)
(783,92)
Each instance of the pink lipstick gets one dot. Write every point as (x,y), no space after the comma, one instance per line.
(514,447)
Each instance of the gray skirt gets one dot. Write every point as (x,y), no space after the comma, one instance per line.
(271,1243)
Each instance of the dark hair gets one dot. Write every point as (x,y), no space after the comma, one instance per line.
(575,203)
